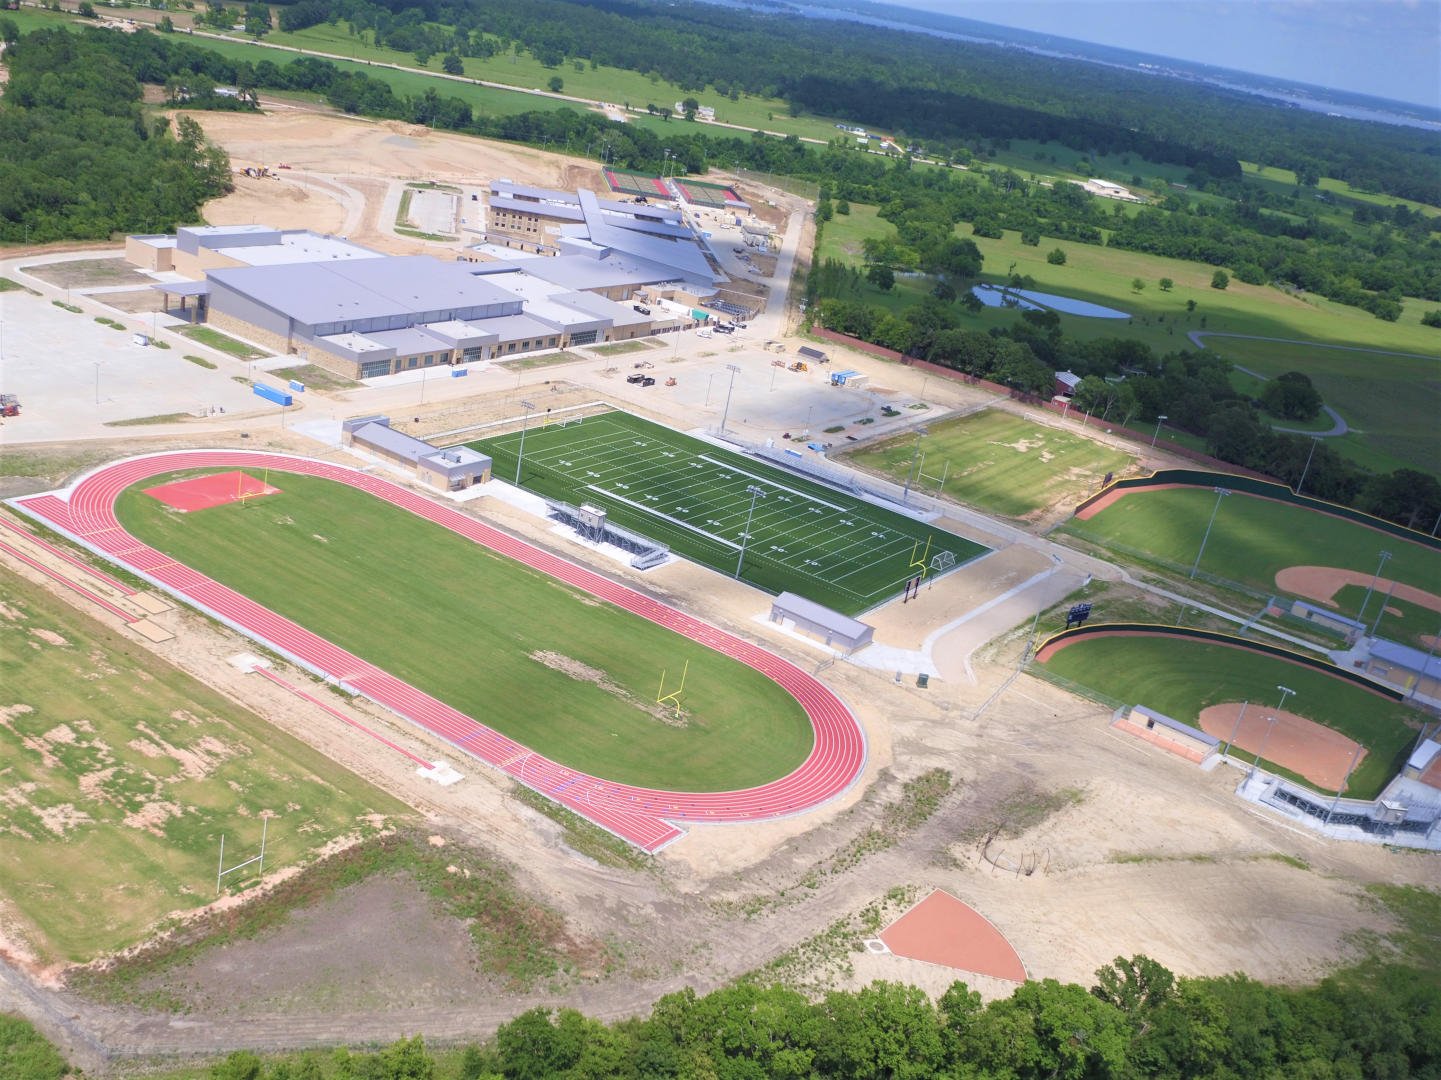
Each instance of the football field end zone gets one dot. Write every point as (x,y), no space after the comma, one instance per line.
(84,513)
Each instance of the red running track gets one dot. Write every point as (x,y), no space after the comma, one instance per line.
(646,817)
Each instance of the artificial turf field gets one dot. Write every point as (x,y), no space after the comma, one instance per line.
(804,537)
(999,462)
(570,677)
(1180,678)
(1252,538)
(122,772)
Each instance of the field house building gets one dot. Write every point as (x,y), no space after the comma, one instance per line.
(363,314)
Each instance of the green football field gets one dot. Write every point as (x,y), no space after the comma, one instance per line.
(1180,678)
(1252,538)
(999,462)
(551,667)
(803,536)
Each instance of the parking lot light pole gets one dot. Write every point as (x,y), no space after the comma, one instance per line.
(1160,419)
(755,493)
(1221,493)
(734,369)
(520,454)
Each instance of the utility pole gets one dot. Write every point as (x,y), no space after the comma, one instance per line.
(734,369)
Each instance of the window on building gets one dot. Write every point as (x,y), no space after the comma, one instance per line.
(373,369)
(411,362)
(471,355)
(585,337)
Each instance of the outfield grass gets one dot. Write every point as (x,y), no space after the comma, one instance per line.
(137,769)
(469,626)
(1252,538)
(804,537)
(998,462)
(1403,621)
(1181,678)
(1390,402)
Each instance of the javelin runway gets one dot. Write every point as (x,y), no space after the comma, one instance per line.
(646,817)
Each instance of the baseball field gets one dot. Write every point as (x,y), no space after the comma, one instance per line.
(834,548)
(1252,539)
(996,461)
(121,773)
(1181,678)
(570,677)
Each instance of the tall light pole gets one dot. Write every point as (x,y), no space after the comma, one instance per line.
(1221,493)
(911,472)
(1312,453)
(1160,418)
(520,455)
(734,369)
(1286,691)
(755,493)
(1361,615)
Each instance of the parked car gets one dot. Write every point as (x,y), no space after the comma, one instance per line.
(641,308)
(634,378)
(646,380)
(722,328)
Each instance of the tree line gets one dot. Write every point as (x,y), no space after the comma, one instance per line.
(79,159)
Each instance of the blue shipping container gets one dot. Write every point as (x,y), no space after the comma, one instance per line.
(297,386)
(269,393)
(459,373)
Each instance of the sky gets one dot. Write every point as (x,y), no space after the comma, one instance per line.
(1388,48)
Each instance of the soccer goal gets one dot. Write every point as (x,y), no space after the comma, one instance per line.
(942,561)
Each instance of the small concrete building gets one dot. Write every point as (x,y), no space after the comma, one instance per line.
(831,627)
(1351,629)
(1404,667)
(449,469)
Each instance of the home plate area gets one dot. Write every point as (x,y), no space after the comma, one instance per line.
(203,492)
(942,930)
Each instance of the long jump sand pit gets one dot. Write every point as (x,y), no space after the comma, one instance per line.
(1303,746)
(1322,583)
(942,930)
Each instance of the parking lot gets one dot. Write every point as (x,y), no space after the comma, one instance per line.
(74,376)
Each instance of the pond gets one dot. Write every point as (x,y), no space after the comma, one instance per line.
(991,296)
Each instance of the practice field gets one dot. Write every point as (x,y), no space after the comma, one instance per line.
(1252,539)
(803,537)
(121,773)
(573,680)
(998,462)
(1180,678)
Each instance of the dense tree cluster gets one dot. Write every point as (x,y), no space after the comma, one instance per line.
(906,83)
(78,157)
(1138,1020)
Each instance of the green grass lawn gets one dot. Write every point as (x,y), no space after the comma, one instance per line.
(469,627)
(206,335)
(1103,275)
(1252,538)
(1390,402)
(1403,621)
(1329,184)
(804,537)
(121,774)
(998,462)
(1180,678)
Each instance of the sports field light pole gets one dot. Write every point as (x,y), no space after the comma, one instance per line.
(1302,482)
(520,455)
(1221,493)
(734,369)
(755,493)
(1361,615)
(921,433)
(1270,726)
(1355,756)
(1160,419)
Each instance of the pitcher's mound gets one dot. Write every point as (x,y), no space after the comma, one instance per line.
(942,930)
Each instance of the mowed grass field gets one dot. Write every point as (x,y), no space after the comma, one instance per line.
(998,462)
(804,537)
(1180,678)
(1389,402)
(1252,538)
(1103,275)
(120,773)
(489,636)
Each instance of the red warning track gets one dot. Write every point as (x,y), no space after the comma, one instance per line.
(648,818)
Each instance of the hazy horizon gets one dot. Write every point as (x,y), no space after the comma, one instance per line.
(1386,48)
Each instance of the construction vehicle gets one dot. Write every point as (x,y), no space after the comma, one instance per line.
(670,381)
(800,365)
(9,405)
